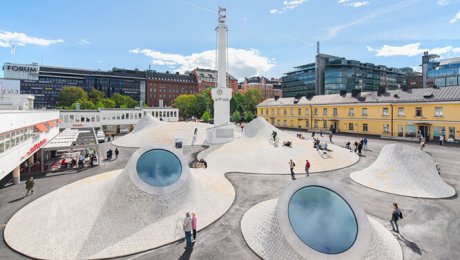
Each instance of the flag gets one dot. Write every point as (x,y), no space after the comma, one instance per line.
(13,49)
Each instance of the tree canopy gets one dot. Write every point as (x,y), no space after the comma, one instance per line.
(70,95)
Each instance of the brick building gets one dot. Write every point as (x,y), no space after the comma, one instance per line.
(265,86)
(208,79)
(163,88)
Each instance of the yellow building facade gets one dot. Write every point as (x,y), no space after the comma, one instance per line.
(429,113)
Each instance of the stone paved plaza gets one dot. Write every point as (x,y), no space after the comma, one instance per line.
(429,230)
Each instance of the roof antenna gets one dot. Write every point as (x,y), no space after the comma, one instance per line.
(317,47)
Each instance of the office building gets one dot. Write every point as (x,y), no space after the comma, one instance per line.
(332,75)
(207,78)
(46,82)
(163,88)
(441,73)
(265,86)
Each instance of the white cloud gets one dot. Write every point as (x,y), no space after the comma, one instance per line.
(242,63)
(455,18)
(7,39)
(410,50)
(84,42)
(443,2)
(353,3)
(288,5)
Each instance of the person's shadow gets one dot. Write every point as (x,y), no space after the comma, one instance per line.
(18,199)
(413,246)
(187,253)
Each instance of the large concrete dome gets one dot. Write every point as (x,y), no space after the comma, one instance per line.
(404,170)
(120,212)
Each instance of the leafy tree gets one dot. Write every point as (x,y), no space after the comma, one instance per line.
(84,104)
(236,116)
(123,101)
(106,103)
(236,103)
(249,116)
(210,103)
(251,99)
(95,95)
(206,116)
(199,105)
(70,95)
(184,103)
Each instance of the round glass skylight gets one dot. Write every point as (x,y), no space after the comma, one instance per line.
(322,219)
(159,167)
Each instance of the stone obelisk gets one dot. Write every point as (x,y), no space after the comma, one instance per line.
(222,131)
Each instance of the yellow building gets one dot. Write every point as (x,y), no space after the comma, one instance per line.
(427,112)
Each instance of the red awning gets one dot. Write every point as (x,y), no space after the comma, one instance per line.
(41,127)
(51,123)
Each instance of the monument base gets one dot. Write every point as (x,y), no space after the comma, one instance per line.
(220,134)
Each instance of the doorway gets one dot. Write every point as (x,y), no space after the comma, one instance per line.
(424,131)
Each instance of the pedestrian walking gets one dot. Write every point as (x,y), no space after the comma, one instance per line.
(365,144)
(30,186)
(188,230)
(438,168)
(441,139)
(116,153)
(422,145)
(395,216)
(313,134)
(330,138)
(242,127)
(356,146)
(196,131)
(194,219)
(307,168)
(360,147)
(291,166)
(321,133)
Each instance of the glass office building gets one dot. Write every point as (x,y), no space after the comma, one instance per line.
(445,73)
(46,82)
(333,75)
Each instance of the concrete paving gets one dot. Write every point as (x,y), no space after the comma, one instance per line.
(430,228)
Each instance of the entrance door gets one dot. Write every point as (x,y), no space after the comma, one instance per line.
(424,130)
(334,127)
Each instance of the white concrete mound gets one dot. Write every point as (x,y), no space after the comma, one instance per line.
(164,133)
(404,170)
(253,152)
(107,216)
(147,121)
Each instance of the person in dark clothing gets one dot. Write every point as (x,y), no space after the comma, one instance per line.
(313,134)
(356,146)
(274,134)
(395,216)
(360,147)
(330,138)
(321,133)
(287,144)
(30,186)
(291,166)
(116,153)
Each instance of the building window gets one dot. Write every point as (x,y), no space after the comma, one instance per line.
(350,126)
(307,125)
(278,122)
(324,111)
(324,124)
(418,111)
(316,111)
(365,128)
(307,111)
(400,130)
(292,111)
(299,112)
(364,111)
(266,111)
(334,111)
(278,111)
(273,111)
(285,112)
(438,111)
(452,132)
(385,111)
(401,111)
(316,124)
(351,112)
(284,123)
(386,129)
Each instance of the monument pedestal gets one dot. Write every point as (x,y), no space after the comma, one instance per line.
(220,134)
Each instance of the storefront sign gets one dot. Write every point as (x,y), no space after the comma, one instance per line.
(34,148)
(78,125)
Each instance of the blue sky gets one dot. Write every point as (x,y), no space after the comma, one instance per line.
(266,37)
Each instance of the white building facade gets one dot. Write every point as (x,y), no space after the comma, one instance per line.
(22,134)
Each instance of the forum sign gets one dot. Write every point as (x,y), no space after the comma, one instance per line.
(21,71)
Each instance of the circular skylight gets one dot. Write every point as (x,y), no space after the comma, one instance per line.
(322,219)
(159,167)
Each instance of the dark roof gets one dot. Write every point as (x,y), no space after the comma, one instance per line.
(62,71)
(418,95)
(175,77)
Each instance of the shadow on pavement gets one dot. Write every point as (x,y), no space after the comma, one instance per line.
(413,246)
(187,254)
(16,200)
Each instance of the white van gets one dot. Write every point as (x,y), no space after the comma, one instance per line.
(100,136)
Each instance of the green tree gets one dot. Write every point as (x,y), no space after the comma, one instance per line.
(206,116)
(84,104)
(251,99)
(185,104)
(106,103)
(70,95)
(123,101)
(210,103)
(249,116)
(236,116)
(236,103)
(95,95)
(199,105)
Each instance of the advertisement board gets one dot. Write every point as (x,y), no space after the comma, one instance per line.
(21,71)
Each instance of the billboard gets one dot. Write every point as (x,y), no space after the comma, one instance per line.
(10,87)
(21,71)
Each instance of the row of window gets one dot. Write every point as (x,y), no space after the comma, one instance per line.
(114,116)
(438,111)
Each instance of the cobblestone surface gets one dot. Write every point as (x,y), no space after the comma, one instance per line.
(107,216)
(404,170)
(263,235)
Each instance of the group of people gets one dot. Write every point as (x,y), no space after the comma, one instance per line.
(110,154)
(292,166)
(358,147)
(81,161)
(189,226)
(200,164)
(318,145)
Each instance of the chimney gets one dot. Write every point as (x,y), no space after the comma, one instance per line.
(355,92)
